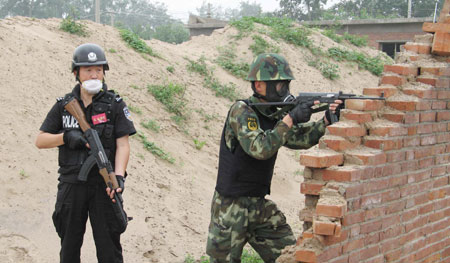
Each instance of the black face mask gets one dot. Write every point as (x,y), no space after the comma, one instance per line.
(277,91)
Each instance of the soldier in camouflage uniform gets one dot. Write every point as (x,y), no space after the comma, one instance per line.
(250,142)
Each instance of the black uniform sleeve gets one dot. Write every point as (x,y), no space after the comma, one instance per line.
(53,121)
(123,122)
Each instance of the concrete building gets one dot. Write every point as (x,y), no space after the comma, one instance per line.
(203,25)
(383,34)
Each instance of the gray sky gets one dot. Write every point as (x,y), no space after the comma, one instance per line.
(180,9)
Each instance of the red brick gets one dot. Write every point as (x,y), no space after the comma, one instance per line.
(423,152)
(421,93)
(346,129)
(423,105)
(438,171)
(369,252)
(443,83)
(359,117)
(392,169)
(306,214)
(440,43)
(443,95)
(387,129)
(402,105)
(324,228)
(391,232)
(364,105)
(443,116)
(338,143)
(402,69)
(331,210)
(395,207)
(371,227)
(428,140)
(418,48)
(370,200)
(321,158)
(385,90)
(428,117)
(395,156)
(424,128)
(311,187)
(366,157)
(355,218)
(342,173)
(394,80)
(430,70)
(354,244)
(439,105)
(398,180)
(409,215)
(374,213)
(427,162)
(390,195)
(443,137)
(426,79)
(306,255)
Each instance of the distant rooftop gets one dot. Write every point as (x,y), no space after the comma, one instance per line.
(205,22)
(369,21)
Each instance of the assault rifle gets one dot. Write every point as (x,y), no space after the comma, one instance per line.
(97,155)
(309,97)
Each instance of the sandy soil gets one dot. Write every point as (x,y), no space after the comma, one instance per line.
(169,202)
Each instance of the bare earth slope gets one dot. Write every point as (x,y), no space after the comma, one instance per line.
(169,202)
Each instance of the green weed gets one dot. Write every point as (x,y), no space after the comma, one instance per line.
(171,69)
(248,256)
(135,109)
(331,33)
(374,65)
(260,45)
(112,50)
(171,96)
(198,66)
(328,70)
(359,41)
(155,150)
(199,144)
(71,26)
(227,58)
(151,125)
(134,41)
(228,91)
(22,173)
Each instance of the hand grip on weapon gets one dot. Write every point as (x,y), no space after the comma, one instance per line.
(74,139)
(301,113)
(334,112)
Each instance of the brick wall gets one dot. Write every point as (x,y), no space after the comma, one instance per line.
(377,189)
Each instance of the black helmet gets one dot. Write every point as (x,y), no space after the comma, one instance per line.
(89,55)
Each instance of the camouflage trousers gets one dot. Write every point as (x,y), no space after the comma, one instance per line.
(236,221)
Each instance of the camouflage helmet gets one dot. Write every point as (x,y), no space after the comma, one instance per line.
(269,66)
(89,55)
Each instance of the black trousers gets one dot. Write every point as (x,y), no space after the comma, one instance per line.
(74,203)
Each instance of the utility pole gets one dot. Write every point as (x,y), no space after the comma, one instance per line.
(97,11)
(409,8)
(208,14)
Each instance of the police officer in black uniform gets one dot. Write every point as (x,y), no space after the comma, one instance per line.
(76,201)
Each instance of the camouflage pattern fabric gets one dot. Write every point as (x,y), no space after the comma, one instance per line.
(236,221)
(243,127)
(269,66)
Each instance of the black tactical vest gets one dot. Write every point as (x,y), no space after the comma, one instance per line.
(240,174)
(100,112)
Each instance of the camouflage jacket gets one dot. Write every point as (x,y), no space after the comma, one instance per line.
(242,126)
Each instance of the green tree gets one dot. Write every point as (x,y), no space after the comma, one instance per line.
(246,8)
(366,9)
(302,9)
(173,33)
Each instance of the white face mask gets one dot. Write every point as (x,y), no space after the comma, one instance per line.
(92,86)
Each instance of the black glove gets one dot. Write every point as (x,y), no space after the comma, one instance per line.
(121,182)
(74,139)
(337,112)
(301,113)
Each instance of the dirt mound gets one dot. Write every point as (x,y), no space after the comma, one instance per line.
(169,202)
